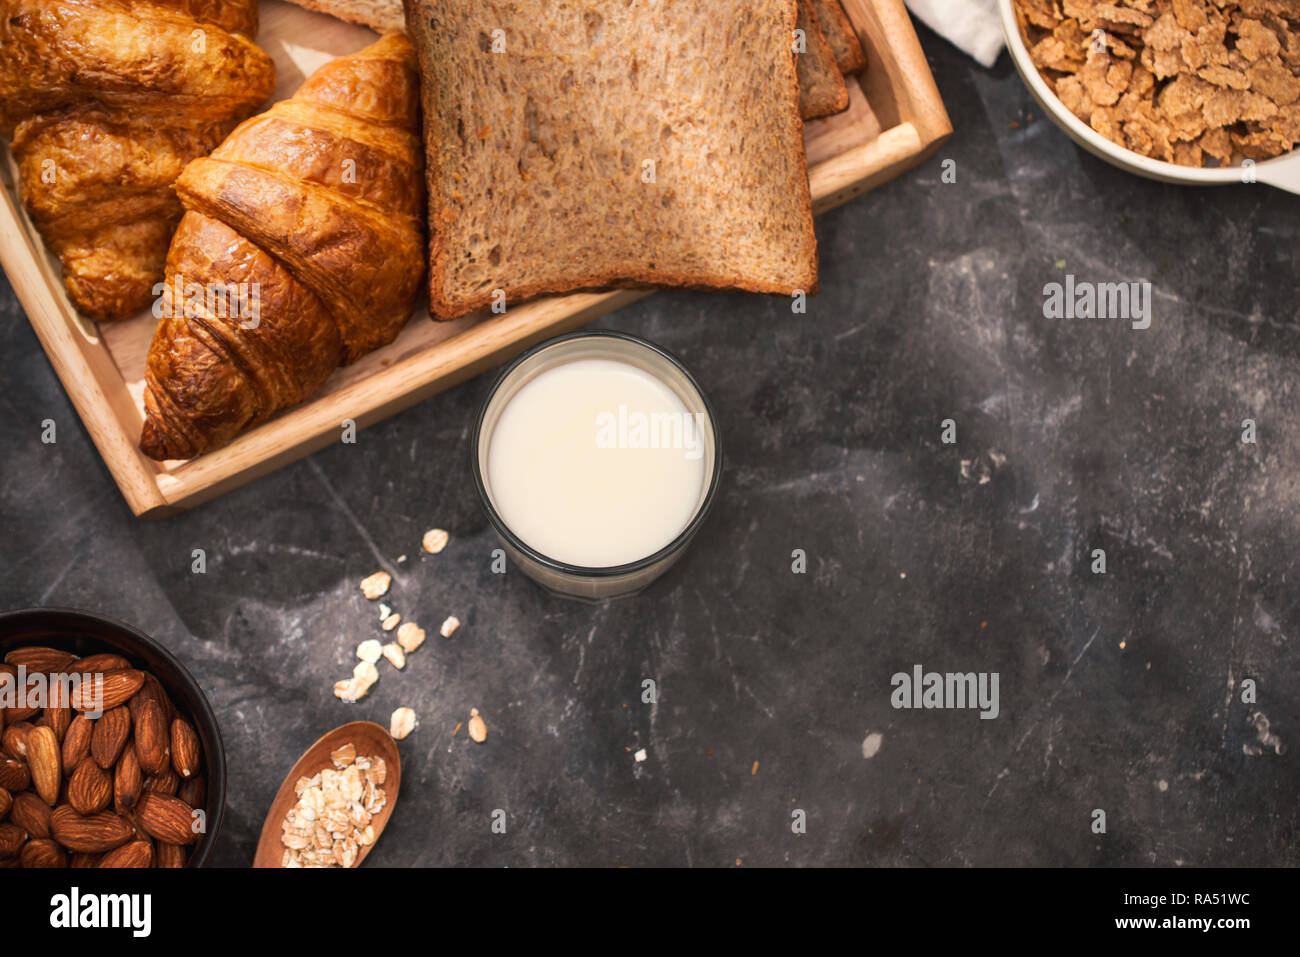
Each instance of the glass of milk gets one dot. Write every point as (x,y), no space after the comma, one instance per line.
(596,456)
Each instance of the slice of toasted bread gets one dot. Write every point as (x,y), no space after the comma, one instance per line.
(835,23)
(379,15)
(822,90)
(590,145)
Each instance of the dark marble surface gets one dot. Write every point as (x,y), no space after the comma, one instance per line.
(1117,691)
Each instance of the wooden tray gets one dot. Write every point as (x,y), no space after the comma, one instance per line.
(895,120)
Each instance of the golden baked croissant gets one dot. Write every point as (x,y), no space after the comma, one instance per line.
(302,248)
(106,101)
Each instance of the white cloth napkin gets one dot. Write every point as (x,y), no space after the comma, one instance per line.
(972,25)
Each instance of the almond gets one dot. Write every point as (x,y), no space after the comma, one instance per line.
(93,833)
(35,658)
(14,739)
(6,802)
(166,818)
(45,763)
(166,783)
(107,692)
(43,852)
(11,715)
(76,742)
(57,720)
(20,714)
(83,860)
(127,782)
(31,814)
(170,855)
(90,789)
(13,775)
(110,734)
(153,689)
(151,737)
(193,792)
(132,854)
(12,839)
(185,748)
(98,664)
(9,683)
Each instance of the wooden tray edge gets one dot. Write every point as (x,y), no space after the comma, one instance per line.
(58,334)
(907,69)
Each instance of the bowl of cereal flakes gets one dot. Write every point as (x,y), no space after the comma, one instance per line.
(1200,92)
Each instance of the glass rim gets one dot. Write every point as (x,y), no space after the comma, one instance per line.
(607,571)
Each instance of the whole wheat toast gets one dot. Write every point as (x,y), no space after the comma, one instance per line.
(835,23)
(590,145)
(822,90)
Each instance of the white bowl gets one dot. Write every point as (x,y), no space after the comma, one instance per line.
(1280,171)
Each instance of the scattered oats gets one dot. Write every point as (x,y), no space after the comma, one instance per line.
(754,769)
(384,610)
(350,689)
(449,626)
(477,726)
(410,636)
(366,671)
(355,688)
(400,559)
(435,540)
(395,655)
(402,723)
(376,585)
(343,756)
(370,650)
(391,622)
(456,730)
(640,755)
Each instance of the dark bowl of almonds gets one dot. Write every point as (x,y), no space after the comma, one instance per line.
(110,755)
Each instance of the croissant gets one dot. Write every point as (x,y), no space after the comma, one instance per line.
(106,101)
(301,249)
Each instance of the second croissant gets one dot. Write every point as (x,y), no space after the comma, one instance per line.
(307,224)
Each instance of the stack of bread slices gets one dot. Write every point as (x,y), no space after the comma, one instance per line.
(590,144)
(830,44)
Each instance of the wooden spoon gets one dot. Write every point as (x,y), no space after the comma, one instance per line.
(369,739)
